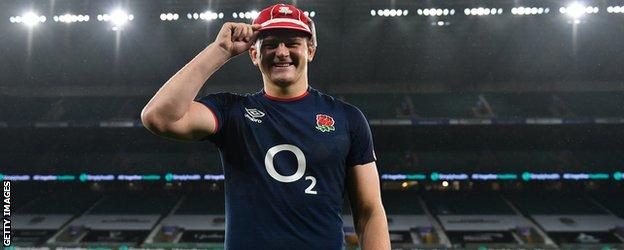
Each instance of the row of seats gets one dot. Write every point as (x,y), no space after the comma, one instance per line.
(375,106)
(388,162)
(500,161)
(395,203)
(503,105)
(107,163)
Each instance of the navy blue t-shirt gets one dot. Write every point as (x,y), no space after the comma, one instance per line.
(284,162)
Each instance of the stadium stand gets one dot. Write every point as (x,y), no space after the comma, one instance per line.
(426,105)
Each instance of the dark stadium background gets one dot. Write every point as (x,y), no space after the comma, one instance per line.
(494,131)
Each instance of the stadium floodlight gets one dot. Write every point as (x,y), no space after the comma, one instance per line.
(440,23)
(209,15)
(29,19)
(480,11)
(615,9)
(118,18)
(529,10)
(384,13)
(254,14)
(434,12)
(244,15)
(312,13)
(170,16)
(69,18)
(575,10)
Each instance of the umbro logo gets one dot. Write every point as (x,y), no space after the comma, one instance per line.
(285,10)
(254,114)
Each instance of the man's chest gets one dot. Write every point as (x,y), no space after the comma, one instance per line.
(320,132)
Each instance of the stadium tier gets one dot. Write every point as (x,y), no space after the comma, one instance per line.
(398,105)
(468,204)
(499,161)
(571,220)
(548,203)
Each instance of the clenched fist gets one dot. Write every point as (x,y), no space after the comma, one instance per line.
(236,38)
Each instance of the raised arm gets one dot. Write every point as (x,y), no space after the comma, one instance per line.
(172,113)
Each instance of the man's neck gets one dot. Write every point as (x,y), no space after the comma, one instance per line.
(290,91)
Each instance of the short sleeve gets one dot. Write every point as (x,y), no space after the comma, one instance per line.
(220,105)
(361,150)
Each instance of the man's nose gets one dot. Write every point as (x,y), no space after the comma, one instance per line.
(282,51)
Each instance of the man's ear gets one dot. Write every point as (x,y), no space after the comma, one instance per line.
(253,53)
(311,51)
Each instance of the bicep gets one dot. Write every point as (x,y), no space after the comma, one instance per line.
(198,122)
(363,187)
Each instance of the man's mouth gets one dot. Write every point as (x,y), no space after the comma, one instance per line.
(282,64)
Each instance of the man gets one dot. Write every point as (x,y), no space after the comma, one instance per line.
(287,151)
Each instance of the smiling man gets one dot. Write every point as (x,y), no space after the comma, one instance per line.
(288,151)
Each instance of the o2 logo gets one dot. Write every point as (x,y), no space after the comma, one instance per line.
(301,166)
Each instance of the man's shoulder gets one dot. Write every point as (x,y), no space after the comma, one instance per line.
(350,111)
(335,99)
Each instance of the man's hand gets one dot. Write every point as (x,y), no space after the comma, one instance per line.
(236,38)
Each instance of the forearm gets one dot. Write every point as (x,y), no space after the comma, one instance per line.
(372,229)
(172,100)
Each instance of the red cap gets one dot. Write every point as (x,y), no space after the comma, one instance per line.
(285,16)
